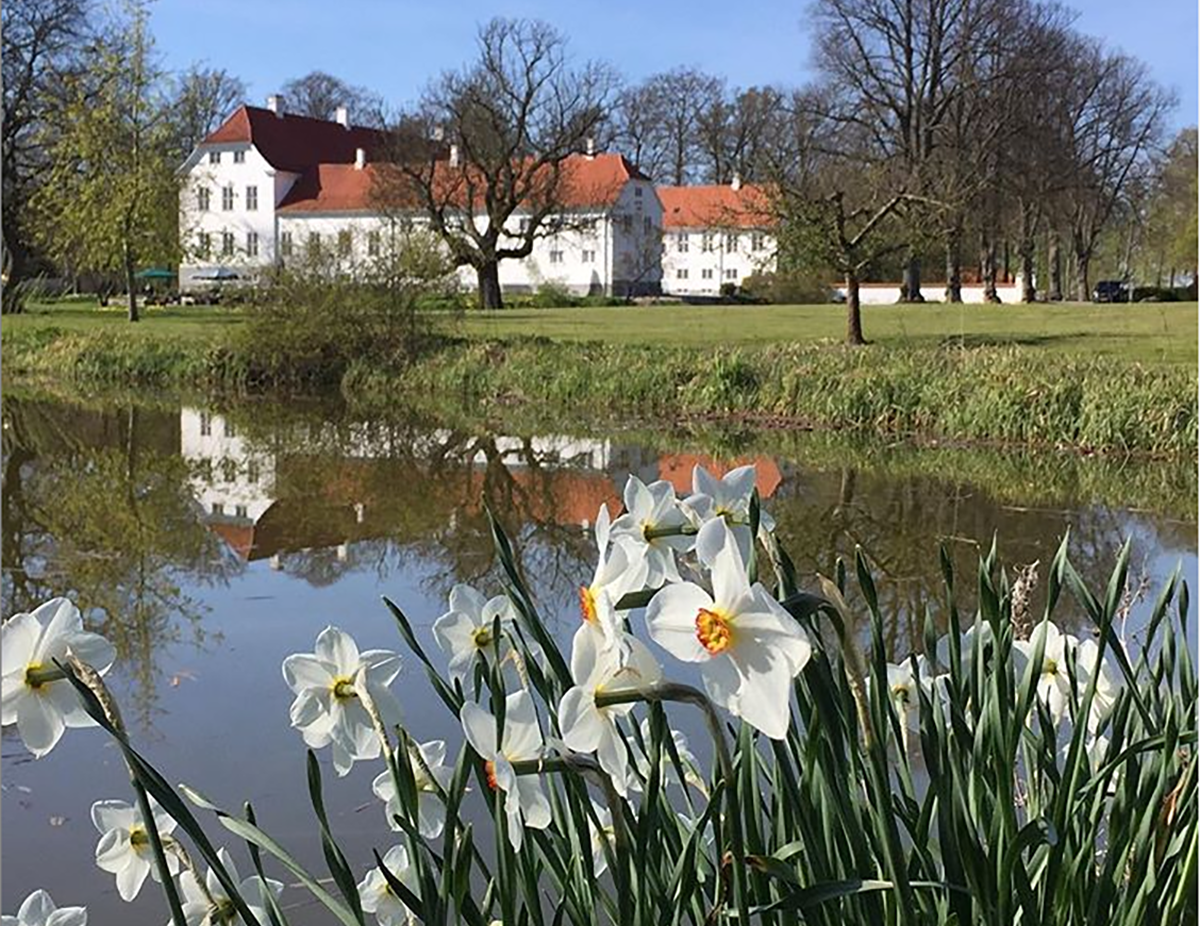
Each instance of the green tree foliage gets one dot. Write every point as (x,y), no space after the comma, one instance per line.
(1171,234)
(110,200)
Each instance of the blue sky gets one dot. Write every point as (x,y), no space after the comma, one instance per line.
(395,47)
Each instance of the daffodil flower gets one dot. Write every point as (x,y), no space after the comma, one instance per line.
(1108,686)
(1054,680)
(39,910)
(602,838)
(431,812)
(466,630)
(612,577)
(377,896)
(525,803)
(651,530)
(687,759)
(124,849)
(211,906)
(588,727)
(749,648)
(327,709)
(728,498)
(33,692)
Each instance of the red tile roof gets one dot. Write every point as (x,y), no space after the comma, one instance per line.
(585,182)
(676,468)
(294,143)
(715,207)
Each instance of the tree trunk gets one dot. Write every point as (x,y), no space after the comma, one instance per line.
(1083,260)
(854,332)
(1054,262)
(910,290)
(1026,250)
(988,266)
(489,286)
(954,262)
(131,285)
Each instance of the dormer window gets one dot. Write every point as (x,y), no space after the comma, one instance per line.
(239,157)
(214,157)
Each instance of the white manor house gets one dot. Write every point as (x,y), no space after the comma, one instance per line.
(269,187)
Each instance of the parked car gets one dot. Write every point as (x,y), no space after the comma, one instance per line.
(1110,291)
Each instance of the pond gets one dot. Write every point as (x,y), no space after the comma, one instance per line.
(209,543)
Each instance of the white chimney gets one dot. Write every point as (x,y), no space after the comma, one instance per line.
(737,181)
(360,158)
(591,147)
(275,104)
(454,155)
(342,116)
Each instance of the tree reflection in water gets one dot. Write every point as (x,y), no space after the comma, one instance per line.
(133,511)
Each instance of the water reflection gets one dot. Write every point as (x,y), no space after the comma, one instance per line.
(134,512)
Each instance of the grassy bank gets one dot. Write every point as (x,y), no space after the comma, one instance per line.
(1009,392)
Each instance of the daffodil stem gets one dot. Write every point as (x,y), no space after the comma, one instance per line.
(686,694)
(160,855)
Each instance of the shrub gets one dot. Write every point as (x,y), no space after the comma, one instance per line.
(789,288)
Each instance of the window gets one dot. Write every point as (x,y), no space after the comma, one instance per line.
(589,257)
(647,225)
(681,243)
(251,198)
(214,157)
(229,469)
(626,223)
(241,511)
(205,424)
(556,257)
(681,274)
(218,508)
(637,191)
(203,198)
(706,242)
(373,244)
(252,244)
(523,226)
(239,157)
(731,274)
(226,244)
(252,471)
(314,242)
(758,241)
(285,244)
(227,198)
(706,273)
(731,242)
(344,243)
(204,244)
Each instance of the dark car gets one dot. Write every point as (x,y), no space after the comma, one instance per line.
(1110,291)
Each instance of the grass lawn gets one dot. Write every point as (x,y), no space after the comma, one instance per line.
(1151,332)
(1147,332)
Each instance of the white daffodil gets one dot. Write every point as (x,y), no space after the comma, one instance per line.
(748,646)
(587,727)
(966,646)
(728,498)
(524,802)
(1108,686)
(687,759)
(211,906)
(649,532)
(465,631)
(1053,681)
(124,849)
(611,577)
(431,812)
(327,709)
(603,838)
(902,689)
(377,895)
(29,644)
(39,910)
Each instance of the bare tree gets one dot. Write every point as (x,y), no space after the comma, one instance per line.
(40,41)
(1113,121)
(740,133)
(659,120)
(318,96)
(892,64)
(203,99)
(512,118)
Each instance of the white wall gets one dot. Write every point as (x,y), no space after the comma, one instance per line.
(215,221)
(234,481)
(683,272)
(889,293)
